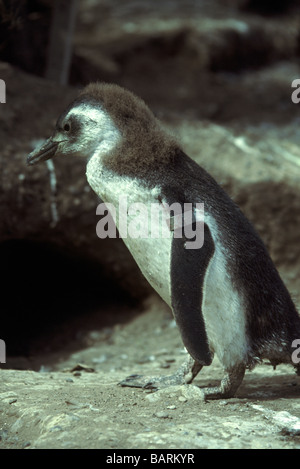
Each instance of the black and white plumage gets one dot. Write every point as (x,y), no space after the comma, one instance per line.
(227,297)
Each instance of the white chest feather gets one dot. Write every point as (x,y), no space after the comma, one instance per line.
(135,217)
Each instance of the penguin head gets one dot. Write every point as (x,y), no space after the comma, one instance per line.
(109,122)
(83,129)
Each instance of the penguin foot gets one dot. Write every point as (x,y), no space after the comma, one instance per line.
(153,383)
(184,375)
(229,384)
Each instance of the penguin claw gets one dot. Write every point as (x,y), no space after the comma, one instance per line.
(151,385)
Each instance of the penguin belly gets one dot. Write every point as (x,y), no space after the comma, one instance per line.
(224,308)
(153,257)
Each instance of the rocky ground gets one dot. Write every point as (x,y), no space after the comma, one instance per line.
(75,402)
(77,317)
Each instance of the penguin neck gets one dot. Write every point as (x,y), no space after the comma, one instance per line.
(133,158)
(111,185)
(138,155)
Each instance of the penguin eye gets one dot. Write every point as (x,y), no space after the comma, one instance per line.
(67,127)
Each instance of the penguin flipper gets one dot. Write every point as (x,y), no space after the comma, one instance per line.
(188,269)
(189,264)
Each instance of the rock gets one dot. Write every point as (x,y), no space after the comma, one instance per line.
(162,415)
(182,399)
(288,424)
(191,392)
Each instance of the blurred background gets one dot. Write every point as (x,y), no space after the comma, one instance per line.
(217,73)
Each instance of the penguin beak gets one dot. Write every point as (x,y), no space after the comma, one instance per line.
(43,153)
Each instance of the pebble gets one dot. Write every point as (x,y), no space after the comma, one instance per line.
(81,367)
(192,392)
(162,415)
(56,428)
(182,399)
(171,407)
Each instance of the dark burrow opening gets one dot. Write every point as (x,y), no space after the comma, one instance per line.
(50,298)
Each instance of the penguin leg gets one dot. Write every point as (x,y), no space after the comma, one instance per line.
(184,375)
(229,384)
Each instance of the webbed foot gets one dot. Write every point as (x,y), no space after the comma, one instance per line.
(185,374)
(228,386)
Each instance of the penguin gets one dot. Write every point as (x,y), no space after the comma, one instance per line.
(226,296)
